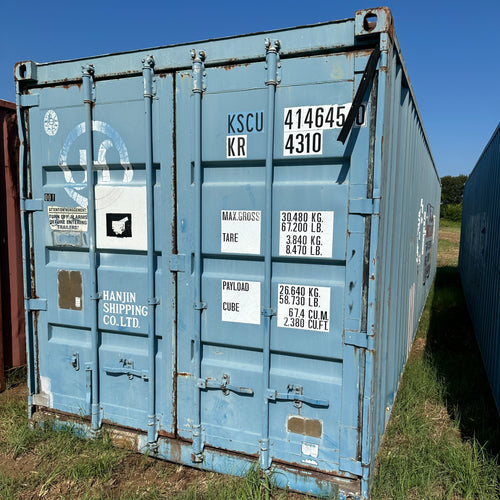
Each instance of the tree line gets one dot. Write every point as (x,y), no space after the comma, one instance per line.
(452,193)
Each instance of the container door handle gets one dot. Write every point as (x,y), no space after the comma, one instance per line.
(224,385)
(295,393)
(127,368)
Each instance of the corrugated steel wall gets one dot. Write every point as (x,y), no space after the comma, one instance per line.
(406,179)
(215,364)
(479,262)
(12,336)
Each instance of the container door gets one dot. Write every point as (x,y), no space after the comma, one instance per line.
(58,146)
(312,373)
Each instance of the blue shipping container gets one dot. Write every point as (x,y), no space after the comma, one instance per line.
(228,245)
(479,262)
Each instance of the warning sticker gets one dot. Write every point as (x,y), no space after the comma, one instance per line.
(304,307)
(241,301)
(68,218)
(306,233)
(240,231)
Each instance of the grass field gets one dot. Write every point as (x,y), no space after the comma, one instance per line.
(442,441)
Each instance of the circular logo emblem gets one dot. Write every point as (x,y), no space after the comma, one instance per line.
(112,140)
(51,122)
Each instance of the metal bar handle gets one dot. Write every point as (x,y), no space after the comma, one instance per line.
(224,385)
(292,396)
(120,370)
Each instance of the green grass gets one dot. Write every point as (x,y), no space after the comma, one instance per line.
(61,465)
(251,487)
(449,223)
(443,438)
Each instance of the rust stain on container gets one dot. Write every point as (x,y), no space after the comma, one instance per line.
(12,336)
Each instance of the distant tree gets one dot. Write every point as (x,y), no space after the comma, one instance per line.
(452,189)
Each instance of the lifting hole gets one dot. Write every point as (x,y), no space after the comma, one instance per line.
(370,21)
(22,71)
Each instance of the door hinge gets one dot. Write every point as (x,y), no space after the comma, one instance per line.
(30,100)
(364,206)
(35,304)
(31,205)
(177,263)
(356,339)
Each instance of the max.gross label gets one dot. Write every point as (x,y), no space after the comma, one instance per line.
(240,231)
(304,307)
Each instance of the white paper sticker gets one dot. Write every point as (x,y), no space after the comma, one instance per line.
(240,231)
(303,126)
(303,143)
(304,307)
(306,233)
(308,461)
(121,217)
(241,301)
(68,218)
(322,117)
(310,450)
(236,146)
(51,122)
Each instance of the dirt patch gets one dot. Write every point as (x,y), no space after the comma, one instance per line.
(450,233)
(448,246)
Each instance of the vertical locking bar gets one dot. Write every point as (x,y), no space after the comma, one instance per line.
(272,62)
(26,236)
(148,74)
(197,73)
(87,80)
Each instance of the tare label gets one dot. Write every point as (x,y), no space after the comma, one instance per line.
(240,231)
(306,233)
(304,307)
(68,218)
(241,301)
(303,126)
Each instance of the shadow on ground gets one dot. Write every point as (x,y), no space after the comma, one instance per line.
(453,351)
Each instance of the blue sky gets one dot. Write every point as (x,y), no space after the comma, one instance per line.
(451,49)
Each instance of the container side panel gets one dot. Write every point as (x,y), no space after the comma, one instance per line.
(407,237)
(479,262)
